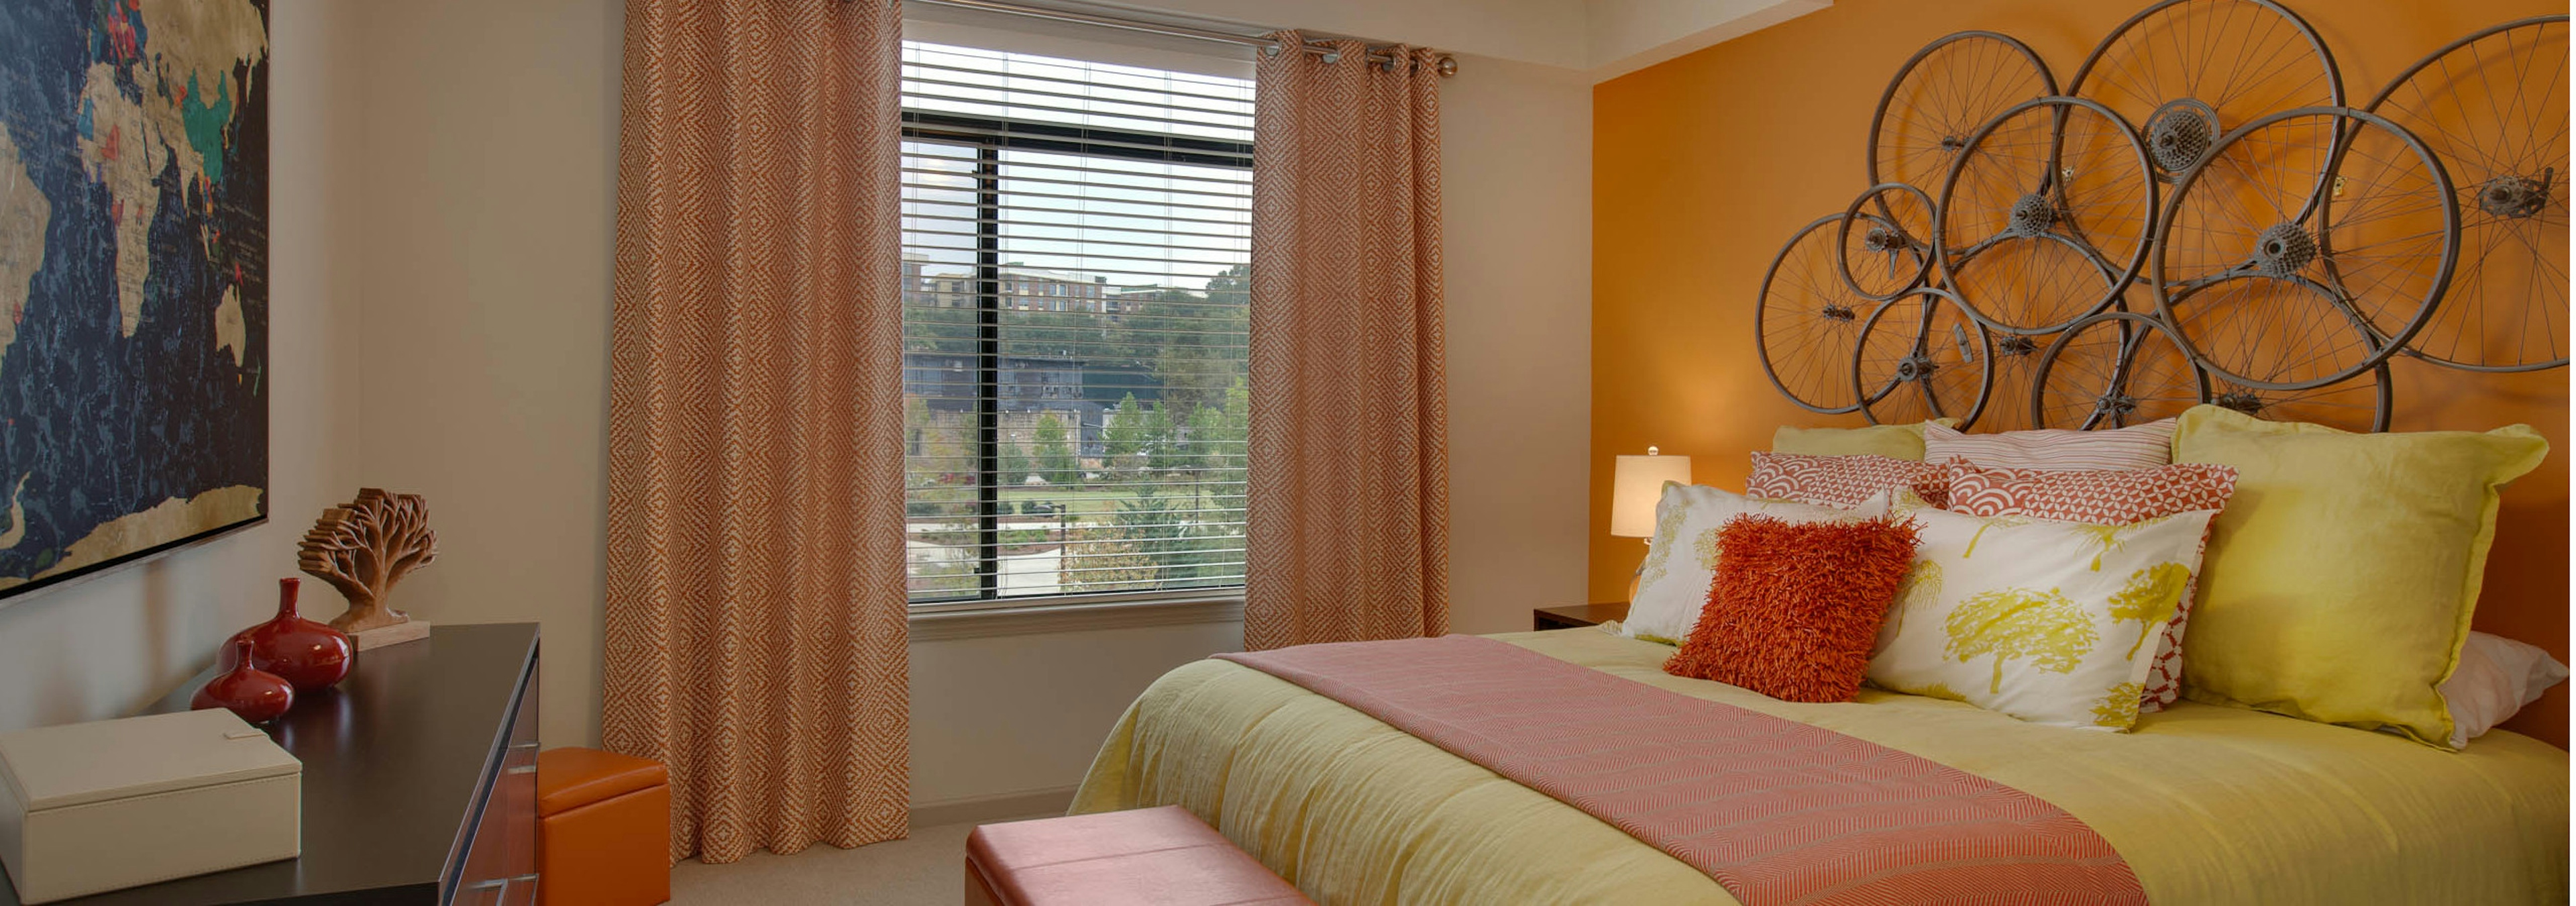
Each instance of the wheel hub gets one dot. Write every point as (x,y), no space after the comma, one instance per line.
(2240,401)
(2016,344)
(2514,196)
(2283,250)
(1839,313)
(1917,367)
(1883,239)
(1953,143)
(2115,404)
(2180,134)
(2033,214)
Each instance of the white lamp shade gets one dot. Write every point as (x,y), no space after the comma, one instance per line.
(1635,485)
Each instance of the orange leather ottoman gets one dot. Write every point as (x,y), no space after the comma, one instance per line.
(603,829)
(1145,857)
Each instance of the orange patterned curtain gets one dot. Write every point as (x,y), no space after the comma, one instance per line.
(1348,502)
(755,613)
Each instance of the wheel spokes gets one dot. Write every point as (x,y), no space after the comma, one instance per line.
(2493,107)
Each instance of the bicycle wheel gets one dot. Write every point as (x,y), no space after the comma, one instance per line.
(2291,291)
(2016,367)
(1921,357)
(2188,71)
(1939,96)
(2493,107)
(1892,258)
(1807,320)
(2046,215)
(2359,403)
(2119,369)
(2113,370)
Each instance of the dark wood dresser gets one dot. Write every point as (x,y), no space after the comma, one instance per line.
(420,783)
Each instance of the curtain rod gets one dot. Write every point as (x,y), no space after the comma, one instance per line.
(1448,65)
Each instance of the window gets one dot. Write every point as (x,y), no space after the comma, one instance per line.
(1077,248)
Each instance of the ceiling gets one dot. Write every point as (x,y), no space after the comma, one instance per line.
(1601,38)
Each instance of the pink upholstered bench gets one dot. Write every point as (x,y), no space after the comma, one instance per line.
(1147,857)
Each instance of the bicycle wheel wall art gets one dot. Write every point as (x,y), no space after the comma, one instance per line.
(2201,213)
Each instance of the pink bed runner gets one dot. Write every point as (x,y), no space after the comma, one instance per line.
(1777,811)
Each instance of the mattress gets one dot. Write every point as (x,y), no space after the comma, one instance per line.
(2207,804)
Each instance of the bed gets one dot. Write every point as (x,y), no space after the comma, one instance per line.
(2207,804)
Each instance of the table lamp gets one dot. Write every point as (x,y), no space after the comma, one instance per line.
(1636,483)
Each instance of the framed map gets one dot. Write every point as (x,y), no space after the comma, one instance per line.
(133,281)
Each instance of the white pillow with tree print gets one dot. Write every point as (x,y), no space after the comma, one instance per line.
(1681,558)
(2051,622)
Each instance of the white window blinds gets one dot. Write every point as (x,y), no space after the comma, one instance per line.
(1077,247)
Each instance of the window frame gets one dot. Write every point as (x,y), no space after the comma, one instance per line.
(989,137)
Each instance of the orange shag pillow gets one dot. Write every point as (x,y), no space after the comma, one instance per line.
(1795,607)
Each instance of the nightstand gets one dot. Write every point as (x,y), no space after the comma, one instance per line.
(1578,615)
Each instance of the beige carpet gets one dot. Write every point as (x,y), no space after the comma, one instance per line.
(926,868)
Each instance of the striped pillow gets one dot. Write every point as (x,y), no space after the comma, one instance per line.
(2112,497)
(2136,447)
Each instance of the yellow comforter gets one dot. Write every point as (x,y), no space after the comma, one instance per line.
(2208,805)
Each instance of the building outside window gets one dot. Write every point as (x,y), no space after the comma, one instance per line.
(1077,246)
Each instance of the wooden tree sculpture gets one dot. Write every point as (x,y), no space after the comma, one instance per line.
(366,546)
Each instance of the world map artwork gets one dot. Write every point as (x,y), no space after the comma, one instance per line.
(133,280)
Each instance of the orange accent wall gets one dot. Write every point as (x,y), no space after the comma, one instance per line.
(1704,165)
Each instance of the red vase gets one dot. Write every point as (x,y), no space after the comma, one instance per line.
(311,655)
(253,694)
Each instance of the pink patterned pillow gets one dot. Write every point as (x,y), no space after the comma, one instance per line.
(1842,482)
(2101,497)
(2109,497)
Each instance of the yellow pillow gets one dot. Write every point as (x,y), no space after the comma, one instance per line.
(1891,441)
(2339,581)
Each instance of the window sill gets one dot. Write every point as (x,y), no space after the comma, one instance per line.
(937,626)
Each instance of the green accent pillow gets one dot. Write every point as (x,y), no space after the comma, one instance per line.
(1891,441)
(2340,580)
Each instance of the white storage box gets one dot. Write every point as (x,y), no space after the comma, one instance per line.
(93,807)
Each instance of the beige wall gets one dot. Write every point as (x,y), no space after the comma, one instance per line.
(103,647)
(473,227)
(490,153)
(1517,209)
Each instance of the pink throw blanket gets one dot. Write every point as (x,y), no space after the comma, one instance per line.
(1777,811)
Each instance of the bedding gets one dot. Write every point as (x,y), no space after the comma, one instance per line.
(1892,441)
(1842,482)
(2135,447)
(2089,495)
(2341,578)
(1681,557)
(2050,622)
(2496,678)
(1735,793)
(2208,805)
(1796,608)
(2104,497)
